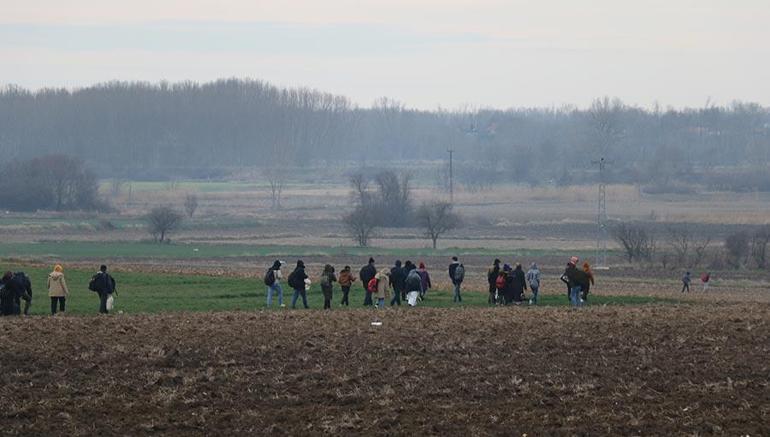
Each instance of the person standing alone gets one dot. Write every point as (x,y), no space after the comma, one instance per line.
(103,284)
(457,275)
(57,289)
(686,279)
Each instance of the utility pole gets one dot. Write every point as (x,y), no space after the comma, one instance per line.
(601,217)
(451,184)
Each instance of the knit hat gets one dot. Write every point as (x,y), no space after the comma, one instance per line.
(507,267)
(58,268)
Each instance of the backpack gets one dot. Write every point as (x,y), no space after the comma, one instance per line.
(92,284)
(292,281)
(270,277)
(414,281)
(371,287)
(460,273)
(500,281)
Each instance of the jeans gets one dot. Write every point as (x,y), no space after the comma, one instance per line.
(574,296)
(345,294)
(60,300)
(396,298)
(457,297)
(368,299)
(103,302)
(275,288)
(298,293)
(381,302)
(535,290)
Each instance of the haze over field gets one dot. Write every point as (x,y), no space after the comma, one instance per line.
(427,53)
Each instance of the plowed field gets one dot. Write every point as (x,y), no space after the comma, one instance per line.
(677,369)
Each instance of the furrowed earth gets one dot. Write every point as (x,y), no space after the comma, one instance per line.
(694,368)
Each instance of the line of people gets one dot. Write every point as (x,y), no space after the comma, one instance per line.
(16,287)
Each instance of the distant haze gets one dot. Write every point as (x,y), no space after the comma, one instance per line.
(426,54)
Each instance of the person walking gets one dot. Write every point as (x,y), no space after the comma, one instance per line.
(519,284)
(575,280)
(492,274)
(397,278)
(273,278)
(57,289)
(328,278)
(15,287)
(686,280)
(346,280)
(104,285)
(413,284)
(504,285)
(705,279)
(533,278)
(425,278)
(297,283)
(366,274)
(382,289)
(589,281)
(457,275)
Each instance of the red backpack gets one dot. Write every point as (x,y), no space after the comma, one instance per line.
(500,281)
(371,287)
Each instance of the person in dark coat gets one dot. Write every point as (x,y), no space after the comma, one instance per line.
(297,283)
(328,278)
(507,291)
(15,287)
(104,285)
(519,284)
(397,278)
(492,275)
(425,277)
(366,274)
(577,281)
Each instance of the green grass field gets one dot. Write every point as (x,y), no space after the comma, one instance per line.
(153,293)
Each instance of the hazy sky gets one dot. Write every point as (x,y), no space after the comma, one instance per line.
(425,53)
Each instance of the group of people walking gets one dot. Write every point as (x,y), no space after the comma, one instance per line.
(16,288)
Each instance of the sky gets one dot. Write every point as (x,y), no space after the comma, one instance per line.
(426,54)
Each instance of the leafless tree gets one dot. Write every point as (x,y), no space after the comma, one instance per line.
(759,242)
(276,180)
(161,220)
(636,241)
(116,186)
(361,223)
(190,204)
(699,248)
(680,240)
(737,246)
(394,197)
(437,218)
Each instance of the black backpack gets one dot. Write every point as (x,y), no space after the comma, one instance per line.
(92,284)
(269,277)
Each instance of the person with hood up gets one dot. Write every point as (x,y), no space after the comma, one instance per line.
(686,279)
(533,277)
(506,291)
(397,278)
(383,287)
(425,278)
(346,280)
(589,281)
(15,287)
(519,284)
(327,285)
(297,283)
(366,274)
(492,275)
(57,289)
(457,275)
(413,284)
(705,278)
(576,279)
(273,281)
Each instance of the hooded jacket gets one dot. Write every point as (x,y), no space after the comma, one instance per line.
(383,284)
(533,276)
(367,273)
(57,286)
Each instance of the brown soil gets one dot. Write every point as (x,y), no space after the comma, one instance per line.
(690,369)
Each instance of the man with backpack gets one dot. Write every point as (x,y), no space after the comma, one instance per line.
(366,274)
(273,282)
(492,275)
(457,275)
(297,283)
(413,284)
(103,284)
(15,287)
(397,277)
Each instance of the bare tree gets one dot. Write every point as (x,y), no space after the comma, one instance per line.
(161,220)
(394,196)
(759,242)
(737,246)
(361,223)
(276,180)
(680,239)
(437,218)
(699,249)
(636,241)
(190,204)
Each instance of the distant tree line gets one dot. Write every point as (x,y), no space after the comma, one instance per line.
(198,128)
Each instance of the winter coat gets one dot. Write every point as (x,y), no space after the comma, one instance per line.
(328,289)
(367,273)
(508,289)
(492,275)
(414,281)
(104,282)
(533,277)
(346,278)
(297,279)
(452,269)
(519,284)
(425,279)
(383,284)
(576,277)
(57,286)
(398,278)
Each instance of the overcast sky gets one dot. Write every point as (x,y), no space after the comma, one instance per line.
(425,53)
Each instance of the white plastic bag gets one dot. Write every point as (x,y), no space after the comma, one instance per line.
(110,303)
(411,298)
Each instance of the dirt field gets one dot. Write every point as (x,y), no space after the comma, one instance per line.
(692,369)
